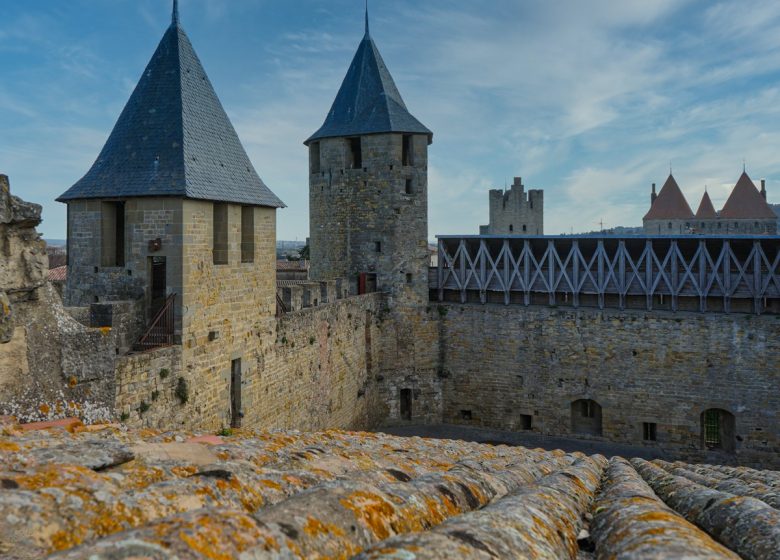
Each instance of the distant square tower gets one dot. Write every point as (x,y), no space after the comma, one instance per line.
(368,186)
(513,212)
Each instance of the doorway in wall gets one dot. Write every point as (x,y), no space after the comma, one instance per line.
(406,404)
(158,284)
(235,393)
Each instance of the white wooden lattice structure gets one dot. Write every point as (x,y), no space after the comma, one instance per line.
(608,271)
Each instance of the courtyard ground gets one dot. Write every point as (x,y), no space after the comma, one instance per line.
(525,439)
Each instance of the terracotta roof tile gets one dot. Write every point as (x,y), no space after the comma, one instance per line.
(706,209)
(59,274)
(670,204)
(746,203)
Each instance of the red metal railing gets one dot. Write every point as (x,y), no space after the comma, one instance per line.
(160,331)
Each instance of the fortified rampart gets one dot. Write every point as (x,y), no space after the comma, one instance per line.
(518,368)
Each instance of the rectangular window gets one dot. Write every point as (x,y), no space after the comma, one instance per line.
(113,234)
(378,246)
(587,409)
(407,155)
(247,234)
(406,404)
(526,420)
(236,412)
(712,428)
(314,157)
(356,150)
(220,241)
(648,431)
(408,277)
(409,189)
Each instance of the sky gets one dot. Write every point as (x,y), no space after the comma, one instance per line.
(590,101)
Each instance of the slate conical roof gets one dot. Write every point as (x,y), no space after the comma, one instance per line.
(746,203)
(706,209)
(174,138)
(369,101)
(670,203)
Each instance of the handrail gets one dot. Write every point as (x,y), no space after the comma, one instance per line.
(161,329)
(281,308)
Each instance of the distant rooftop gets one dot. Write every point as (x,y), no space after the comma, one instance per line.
(174,138)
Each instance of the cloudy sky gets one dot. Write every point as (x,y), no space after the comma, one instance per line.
(589,100)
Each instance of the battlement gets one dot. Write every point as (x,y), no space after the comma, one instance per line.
(515,211)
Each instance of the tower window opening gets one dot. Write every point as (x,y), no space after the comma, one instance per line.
(220,234)
(409,188)
(511,228)
(113,234)
(408,150)
(406,404)
(247,234)
(314,154)
(408,277)
(356,150)
(525,227)
(649,431)
(378,246)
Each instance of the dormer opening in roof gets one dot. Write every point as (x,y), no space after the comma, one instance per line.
(369,151)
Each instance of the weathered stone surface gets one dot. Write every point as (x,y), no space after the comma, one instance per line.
(24,262)
(539,520)
(746,525)
(6,319)
(631,522)
(75,494)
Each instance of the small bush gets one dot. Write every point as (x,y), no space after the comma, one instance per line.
(225,432)
(155,395)
(124,417)
(311,340)
(442,311)
(182,391)
(284,340)
(144,407)
(164,373)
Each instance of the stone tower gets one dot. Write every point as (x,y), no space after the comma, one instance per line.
(173,217)
(515,212)
(368,186)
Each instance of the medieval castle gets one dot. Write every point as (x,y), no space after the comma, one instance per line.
(171,316)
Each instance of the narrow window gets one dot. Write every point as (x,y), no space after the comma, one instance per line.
(648,431)
(408,150)
(314,157)
(408,278)
(511,228)
(378,246)
(113,234)
(220,239)
(670,225)
(712,428)
(525,228)
(236,412)
(526,421)
(247,234)
(406,404)
(465,415)
(357,153)
(409,187)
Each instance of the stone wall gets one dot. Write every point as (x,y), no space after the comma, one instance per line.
(321,367)
(507,366)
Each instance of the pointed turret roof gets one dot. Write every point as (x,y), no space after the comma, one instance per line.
(174,138)
(670,203)
(745,202)
(369,101)
(706,209)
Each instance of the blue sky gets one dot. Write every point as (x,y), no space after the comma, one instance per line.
(587,100)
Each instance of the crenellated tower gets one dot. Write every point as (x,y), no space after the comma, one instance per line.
(368,186)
